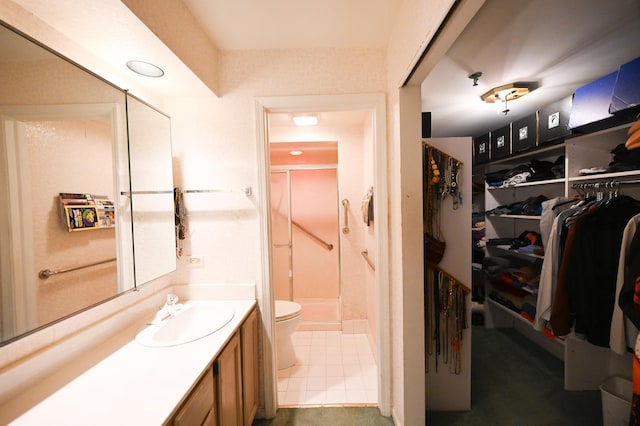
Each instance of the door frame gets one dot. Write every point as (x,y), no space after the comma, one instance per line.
(377,105)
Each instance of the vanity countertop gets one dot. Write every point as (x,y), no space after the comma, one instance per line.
(135,385)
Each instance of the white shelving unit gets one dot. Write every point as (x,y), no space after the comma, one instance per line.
(586,366)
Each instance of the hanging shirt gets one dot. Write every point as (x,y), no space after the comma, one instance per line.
(623,330)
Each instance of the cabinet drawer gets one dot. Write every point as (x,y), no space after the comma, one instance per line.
(199,404)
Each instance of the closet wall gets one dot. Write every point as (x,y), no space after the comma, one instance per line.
(449,388)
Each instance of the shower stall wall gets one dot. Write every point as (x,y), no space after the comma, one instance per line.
(306,251)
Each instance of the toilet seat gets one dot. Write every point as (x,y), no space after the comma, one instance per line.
(286,309)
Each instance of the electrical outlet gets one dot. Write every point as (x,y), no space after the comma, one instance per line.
(196,260)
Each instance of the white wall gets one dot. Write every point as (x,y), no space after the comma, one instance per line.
(415,25)
(214,146)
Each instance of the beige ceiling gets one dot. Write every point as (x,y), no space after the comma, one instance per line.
(560,45)
(292,24)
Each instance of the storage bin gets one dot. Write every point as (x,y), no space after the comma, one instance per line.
(481,149)
(524,133)
(615,393)
(626,91)
(553,121)
(591,102)
(500,142)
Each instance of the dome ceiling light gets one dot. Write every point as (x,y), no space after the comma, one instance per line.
(145,68)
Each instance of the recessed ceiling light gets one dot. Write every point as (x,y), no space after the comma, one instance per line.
(305,120)
(145,68)
(295,152)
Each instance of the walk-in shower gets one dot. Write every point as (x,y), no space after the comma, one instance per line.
(305,237)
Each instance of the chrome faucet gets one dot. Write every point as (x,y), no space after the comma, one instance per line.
(171,306)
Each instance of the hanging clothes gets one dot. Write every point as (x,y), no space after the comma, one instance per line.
(586,288)
(559,210)
(629,303)
(623,329)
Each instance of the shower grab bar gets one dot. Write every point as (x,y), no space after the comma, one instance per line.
(313,236)
(365,254)
(345,204)
(46,273)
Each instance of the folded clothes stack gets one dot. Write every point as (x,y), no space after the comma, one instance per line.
(634,136)
(625,156)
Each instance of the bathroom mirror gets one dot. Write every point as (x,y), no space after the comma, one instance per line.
(63,131)
(151,173)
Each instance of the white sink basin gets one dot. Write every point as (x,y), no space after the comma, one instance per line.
(195,320)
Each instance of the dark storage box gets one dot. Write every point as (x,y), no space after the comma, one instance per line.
(626,91)
(500,142)
(590,109)
(524,133)
(481,149)
(553,121)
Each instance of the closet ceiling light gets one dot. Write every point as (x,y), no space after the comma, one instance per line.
(305,120)
(145,68)
(509,92)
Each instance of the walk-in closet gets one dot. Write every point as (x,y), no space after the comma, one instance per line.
(550,101)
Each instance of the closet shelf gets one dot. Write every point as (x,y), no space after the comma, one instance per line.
(515,216)
(518,317)
(534,183)
(602,176)
(516,252)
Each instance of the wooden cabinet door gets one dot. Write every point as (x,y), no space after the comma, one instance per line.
(199,407)
(229,383)
(249,343)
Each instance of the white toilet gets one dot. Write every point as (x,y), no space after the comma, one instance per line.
(288,317)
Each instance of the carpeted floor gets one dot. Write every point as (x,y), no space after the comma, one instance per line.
(515,382)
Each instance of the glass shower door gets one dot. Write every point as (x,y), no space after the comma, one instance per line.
(281,235)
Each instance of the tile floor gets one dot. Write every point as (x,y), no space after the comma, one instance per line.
(333,369)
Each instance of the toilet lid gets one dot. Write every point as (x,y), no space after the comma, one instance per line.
(286,309)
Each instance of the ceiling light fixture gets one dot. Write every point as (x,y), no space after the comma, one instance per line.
(305,120)
(501,95)
(145,68)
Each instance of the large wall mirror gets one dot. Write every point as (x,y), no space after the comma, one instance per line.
(67,204)
(151,191)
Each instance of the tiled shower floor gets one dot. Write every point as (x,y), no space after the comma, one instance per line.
(333,369)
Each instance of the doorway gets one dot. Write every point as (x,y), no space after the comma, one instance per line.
(375,104)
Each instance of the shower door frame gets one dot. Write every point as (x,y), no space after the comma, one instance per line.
(287,169)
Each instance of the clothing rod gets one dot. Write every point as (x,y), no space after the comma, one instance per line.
(246,191)
(129,193)
(605,184)
(46,273)
(448,275)
(313,236)
(365,254)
